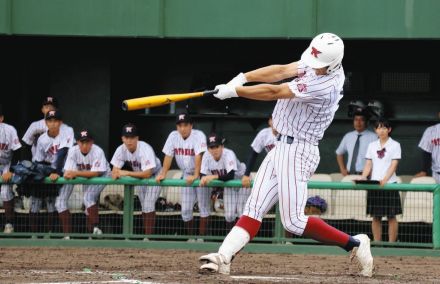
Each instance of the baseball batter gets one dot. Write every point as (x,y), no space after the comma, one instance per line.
(222,164)
(430,144)
(86,160)
(9,143)
(51,149)
(304,110)
(265,139)
(141,159)
(187,145)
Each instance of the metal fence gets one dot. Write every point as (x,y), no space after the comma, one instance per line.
(121,215)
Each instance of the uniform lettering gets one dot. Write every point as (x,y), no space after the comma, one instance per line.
(184,152)
(436,141)
(84,167)
(4,146)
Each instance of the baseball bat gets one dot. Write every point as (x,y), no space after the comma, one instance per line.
(160,100)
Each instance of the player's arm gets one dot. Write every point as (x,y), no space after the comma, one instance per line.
(265,92)
(142,174)
(246,180)
(426,164)
(273,73)
(167,160)
(206,179)
(197,167)
(84,174)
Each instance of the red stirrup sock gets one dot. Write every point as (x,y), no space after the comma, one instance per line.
(324,233)
(250,225)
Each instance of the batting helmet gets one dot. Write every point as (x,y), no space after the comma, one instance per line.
(356,107)
(326,49)
(376,109)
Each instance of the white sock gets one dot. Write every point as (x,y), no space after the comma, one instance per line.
(234,242)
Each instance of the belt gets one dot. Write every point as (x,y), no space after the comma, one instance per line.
(285,139)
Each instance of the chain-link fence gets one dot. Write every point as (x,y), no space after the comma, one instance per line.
(129,208)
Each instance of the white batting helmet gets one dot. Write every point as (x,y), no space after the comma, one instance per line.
(326,49)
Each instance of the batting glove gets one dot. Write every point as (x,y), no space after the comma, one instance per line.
(225,92)
(238,81)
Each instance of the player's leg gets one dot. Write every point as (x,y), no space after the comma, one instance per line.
(8,204)
(295,164)
(263,196)
(36,204)
(204,202)
(230,196)
(51,212)
(188,197)
(91,195)
(149,208)
(61,205)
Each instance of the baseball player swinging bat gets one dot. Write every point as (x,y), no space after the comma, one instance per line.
(160,100)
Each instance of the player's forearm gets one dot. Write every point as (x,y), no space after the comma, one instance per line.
(197,165)
(272,73)
(87,174)
(166,164)
(265,92)
(144,174)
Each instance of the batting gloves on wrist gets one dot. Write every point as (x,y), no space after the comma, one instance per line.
(225,92)
(238,81)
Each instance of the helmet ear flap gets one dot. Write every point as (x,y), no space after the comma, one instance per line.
(335,65)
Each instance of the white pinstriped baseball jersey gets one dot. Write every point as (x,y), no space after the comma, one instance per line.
(9,142)
(228,162)
(35,130)
(47,147)
(140,160)
(310,112)
(94,161)
(430,143)
(264,140)
(185,150)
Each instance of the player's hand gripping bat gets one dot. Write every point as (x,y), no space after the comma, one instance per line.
(160,100)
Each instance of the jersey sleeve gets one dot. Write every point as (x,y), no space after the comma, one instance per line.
(168,148)
(258,143)
(70,164)
(148,159)
(230,162)
(200,145)
(99,163)
(117,159)
(39,152)
(342,148)
(29,136)
(68,138)
(204,169)
(14,141)
(425,143)
(397,152)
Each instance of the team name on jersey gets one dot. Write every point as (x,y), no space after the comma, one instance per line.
(4,146)
(184,152)
(436,141)
(220,172)
(134,164)
(84,167)
(269,147)
(53,149)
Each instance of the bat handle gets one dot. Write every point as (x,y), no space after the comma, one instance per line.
(210,92)
(124,106)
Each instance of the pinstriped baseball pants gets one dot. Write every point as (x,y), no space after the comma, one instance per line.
(283,177)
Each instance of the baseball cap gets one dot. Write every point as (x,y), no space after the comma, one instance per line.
(84,135)
(53,114)
(50,101)
(215,140)
(183,117)
(129,130)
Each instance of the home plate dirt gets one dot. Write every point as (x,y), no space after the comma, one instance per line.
(96,265)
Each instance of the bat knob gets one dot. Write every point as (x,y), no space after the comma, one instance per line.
(124,106)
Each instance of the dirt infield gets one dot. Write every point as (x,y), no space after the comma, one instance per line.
(87,265)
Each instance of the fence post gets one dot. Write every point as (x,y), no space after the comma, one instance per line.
(127,226)
(279,229)
(436,217)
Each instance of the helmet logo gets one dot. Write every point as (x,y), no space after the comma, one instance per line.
(315,52)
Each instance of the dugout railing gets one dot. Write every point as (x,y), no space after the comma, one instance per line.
(419,225)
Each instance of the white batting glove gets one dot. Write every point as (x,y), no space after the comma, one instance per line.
(225,92)
(238,81)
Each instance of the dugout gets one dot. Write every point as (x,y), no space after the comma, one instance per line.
(91,56)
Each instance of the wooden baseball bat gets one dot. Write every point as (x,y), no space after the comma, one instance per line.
(160,100)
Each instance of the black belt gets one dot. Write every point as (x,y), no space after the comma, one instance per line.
(285,138)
